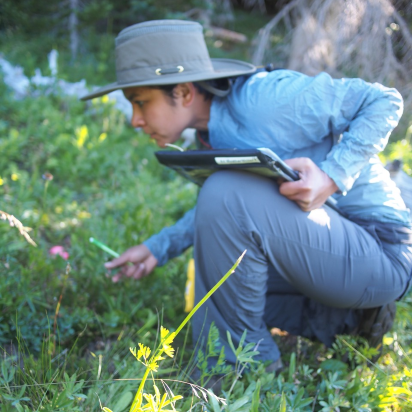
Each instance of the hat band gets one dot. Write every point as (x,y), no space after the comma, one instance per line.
(144,74)
(178,69)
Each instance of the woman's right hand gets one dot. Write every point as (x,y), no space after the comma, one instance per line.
(141,259)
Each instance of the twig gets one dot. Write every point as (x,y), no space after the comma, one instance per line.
(16,223)
(265,32)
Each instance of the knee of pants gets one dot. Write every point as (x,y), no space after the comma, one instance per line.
(234,192)
(217,195)
(221,183)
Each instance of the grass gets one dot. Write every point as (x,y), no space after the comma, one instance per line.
(69,171)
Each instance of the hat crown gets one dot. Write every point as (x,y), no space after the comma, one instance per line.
(159,48)
(157,26)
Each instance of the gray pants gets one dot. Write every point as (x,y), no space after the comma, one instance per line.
(303,272)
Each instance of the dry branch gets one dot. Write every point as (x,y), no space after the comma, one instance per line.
(354,38)
(264,33)
(18,225)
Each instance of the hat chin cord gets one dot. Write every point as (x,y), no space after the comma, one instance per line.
(214,90)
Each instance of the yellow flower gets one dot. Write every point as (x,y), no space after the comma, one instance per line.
(83,215)
(81,133)
(169,350)
(153,364)
(166,340)
(103,408)
(1,182)
(14,176)
(164,332)
(143,351)
(105,99)
(102,137)
(156,403)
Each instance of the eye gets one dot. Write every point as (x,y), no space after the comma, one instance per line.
(138,103)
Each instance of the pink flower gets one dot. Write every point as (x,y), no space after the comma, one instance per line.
(59,250)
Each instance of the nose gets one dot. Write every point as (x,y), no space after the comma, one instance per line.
(137,118)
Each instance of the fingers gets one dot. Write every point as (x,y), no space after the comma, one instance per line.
(150,264)
(135,263)
(302,193)
(299,189)
(119,261)
(313,188)
(305,191)
(135,254)
(131,271)
(294,190)
(114,263)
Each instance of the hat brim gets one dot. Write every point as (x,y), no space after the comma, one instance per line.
(222,68)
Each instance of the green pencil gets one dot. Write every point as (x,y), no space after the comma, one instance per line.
(104,247)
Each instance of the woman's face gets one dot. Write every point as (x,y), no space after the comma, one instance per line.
(160,116)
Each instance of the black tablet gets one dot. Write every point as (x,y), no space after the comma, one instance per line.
(198,165)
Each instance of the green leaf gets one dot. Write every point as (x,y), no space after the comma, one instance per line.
(282,407)
(242,339)
(124,401)
(256,398)
(8,397)
(292,366)
(237,405)
(80,395)
(334,365)
(215,404)
(229,339)
(22,390)
(19,408)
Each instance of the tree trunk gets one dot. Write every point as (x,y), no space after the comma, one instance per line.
(73,22)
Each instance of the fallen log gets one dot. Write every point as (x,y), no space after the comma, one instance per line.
(225,34)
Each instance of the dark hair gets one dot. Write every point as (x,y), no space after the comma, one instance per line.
(220,84)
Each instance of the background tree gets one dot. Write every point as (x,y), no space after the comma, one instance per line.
(370,39)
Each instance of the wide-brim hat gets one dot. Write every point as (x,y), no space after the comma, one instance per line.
(162,52)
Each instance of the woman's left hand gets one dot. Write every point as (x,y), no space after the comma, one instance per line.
(312,189)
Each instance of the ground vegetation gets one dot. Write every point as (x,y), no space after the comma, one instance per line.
(70,171)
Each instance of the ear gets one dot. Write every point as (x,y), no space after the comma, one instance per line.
(187,92)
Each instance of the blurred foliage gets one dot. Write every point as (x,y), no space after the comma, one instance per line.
(28,31)
(33,17)
(400,148)
(101,181)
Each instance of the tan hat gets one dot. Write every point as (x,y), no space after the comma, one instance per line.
(161,52)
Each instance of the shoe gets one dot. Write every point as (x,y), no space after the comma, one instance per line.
(374,323)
